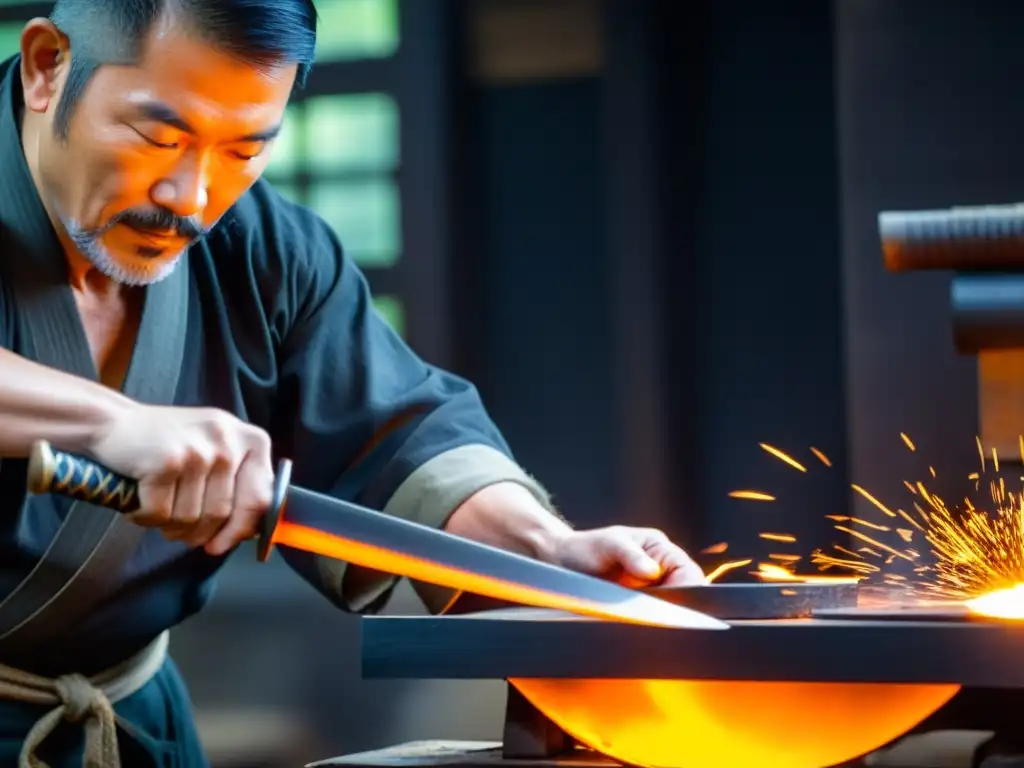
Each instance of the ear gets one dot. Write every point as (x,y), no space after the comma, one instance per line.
(45,54)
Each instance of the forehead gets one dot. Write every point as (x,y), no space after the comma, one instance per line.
(198,80)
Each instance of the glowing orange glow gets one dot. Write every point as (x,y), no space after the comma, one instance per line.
(671,723)
(773,572)
(868,524)
(825,460)
(715,549)
(783,457)
(724,568)
(1005,603)
(357,553)
(975,551)
(873,500)
(752,495)
(783,537)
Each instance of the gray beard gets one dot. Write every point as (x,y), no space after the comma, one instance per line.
(88,244)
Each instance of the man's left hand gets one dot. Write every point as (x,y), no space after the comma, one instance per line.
(634,557)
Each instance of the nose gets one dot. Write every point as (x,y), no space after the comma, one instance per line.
(185,190)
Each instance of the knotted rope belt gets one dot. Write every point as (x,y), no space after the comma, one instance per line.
(79,699)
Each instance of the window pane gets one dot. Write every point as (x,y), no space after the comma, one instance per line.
(356,29)
(10,38)
(365,214)
(351,132)
(287,191)
(393,312)
(286,154)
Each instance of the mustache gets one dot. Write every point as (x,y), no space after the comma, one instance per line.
(159,220)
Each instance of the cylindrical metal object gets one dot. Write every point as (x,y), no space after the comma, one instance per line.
(959,238)
(987,311)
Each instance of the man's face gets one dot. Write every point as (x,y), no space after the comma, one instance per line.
(156,152)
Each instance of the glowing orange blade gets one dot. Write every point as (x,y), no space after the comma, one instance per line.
(344,531)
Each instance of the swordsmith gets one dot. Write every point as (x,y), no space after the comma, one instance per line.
(312,522)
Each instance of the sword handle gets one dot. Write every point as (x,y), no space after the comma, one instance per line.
(54,471)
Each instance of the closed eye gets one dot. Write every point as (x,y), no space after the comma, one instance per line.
(153,142)
(251,155)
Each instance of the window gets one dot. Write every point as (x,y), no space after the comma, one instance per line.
(338,154)
(356,29)
(10,38)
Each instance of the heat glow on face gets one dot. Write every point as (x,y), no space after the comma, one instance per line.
(156,152)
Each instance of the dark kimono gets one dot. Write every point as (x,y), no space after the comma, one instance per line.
(266,318)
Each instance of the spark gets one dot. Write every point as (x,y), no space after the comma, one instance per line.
(752,495)
(873,500)
(866,524)
(783,457)
(824,459)
(784,537)
(873,542)
(724,568)
(976,550)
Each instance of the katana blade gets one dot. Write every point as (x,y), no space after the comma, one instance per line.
(320,524)
(345,531)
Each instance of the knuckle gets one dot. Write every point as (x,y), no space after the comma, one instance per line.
(187,514)
(175,461)
(220,510)
(201,455)
(218,427)
(160,513)
(257,497)
(259,440)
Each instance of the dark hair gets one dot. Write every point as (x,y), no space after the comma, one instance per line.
(263,32)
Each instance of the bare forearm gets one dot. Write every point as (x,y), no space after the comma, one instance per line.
(41,403)
(508,516)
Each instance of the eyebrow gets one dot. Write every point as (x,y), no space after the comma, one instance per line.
(162,113)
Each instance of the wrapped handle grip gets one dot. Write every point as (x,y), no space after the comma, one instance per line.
(53,471)
(67,474)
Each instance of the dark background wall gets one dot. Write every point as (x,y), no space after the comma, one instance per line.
(711,245)
(930,118)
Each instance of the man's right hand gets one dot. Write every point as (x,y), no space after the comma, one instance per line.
(205,477)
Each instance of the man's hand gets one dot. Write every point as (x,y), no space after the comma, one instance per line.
(506,515)
(205,477)
(634,557)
